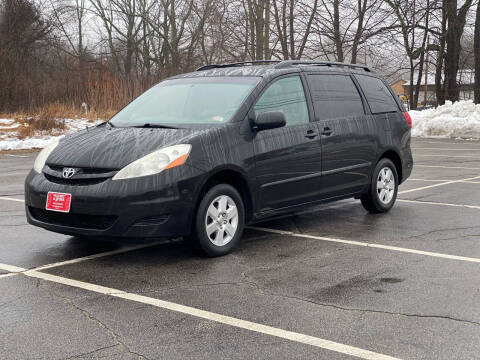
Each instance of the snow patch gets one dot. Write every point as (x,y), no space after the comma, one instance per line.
(10,141)
(8,124)
(29,143)
(452,120)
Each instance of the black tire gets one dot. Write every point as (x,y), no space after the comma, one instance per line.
(199,238)
(371,200)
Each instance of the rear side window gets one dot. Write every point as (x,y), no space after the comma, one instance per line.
(285,95)
(378,96)
(335,96)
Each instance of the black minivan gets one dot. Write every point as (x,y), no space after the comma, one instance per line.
(202,154)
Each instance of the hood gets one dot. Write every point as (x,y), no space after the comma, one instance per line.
(113,148)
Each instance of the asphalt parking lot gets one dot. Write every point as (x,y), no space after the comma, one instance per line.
(331,283)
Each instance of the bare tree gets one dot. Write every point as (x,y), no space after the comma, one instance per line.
(293,25)
(477,55)
(349,26)
(456,20)
(23,37)
(414,19)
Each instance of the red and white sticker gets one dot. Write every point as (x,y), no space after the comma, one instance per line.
(58,202)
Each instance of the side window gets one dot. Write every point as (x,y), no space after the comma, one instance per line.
(285,95)
(335,96)
(378,96)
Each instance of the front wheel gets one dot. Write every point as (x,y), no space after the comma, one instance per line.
(383,190)
(219,221)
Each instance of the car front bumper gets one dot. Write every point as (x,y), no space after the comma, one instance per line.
(151,206)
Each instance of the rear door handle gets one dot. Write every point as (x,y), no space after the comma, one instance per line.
(327,131)
(311,134)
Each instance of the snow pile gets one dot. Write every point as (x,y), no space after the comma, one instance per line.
(10,141)
(452,120)
(8,124)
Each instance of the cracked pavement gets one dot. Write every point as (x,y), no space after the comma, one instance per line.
(403,305)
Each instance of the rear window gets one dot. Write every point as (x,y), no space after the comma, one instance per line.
(378,96)
(335,96)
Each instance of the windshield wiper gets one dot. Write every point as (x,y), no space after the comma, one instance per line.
(154,126)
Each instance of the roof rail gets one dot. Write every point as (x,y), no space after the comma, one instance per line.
(240,63)
(288,63)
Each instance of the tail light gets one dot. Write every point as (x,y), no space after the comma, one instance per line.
(408,118)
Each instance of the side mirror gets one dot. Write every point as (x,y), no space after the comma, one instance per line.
(269,120)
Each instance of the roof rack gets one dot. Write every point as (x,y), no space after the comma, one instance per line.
(282,64)
(240,63)
(288,63)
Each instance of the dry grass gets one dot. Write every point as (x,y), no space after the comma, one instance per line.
(25,131)
(94,115)
(51,119)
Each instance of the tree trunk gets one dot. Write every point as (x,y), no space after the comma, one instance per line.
(413,104)
(456,25)
(358,34)
(259,29)
(477,56)
(281,26)
(266,40)
(292,30)
(439,84)
(419,78)
(451,65)
(336,30)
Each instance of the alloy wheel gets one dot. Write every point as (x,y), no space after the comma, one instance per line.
(221,220)
(385,185)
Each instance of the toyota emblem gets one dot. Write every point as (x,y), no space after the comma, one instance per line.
(68,173)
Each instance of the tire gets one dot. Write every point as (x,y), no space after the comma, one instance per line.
(382,194)
(219,236)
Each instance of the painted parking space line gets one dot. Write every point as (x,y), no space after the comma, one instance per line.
(448,149)
(446,167)
(444,180)
(16,270)
(103,254)
(436,185)
(447,156)
(463,143)
(429,180)
(211,316)
(366,244)
(439,204)
(91,257)
(11,199)
(11,268)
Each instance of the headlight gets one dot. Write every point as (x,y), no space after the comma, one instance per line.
(42,157)
(155,162)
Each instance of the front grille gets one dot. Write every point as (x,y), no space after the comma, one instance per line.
(80,182)
(96,222)
(86,171)
(82,176)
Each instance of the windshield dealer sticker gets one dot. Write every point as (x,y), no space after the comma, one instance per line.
(217,118)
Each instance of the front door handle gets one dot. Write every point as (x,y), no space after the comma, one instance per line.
(311,134)
(327,131)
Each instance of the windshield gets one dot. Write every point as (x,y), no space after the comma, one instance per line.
(209,100)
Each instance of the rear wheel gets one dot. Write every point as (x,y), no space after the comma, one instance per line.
(383,190)
(219,221)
